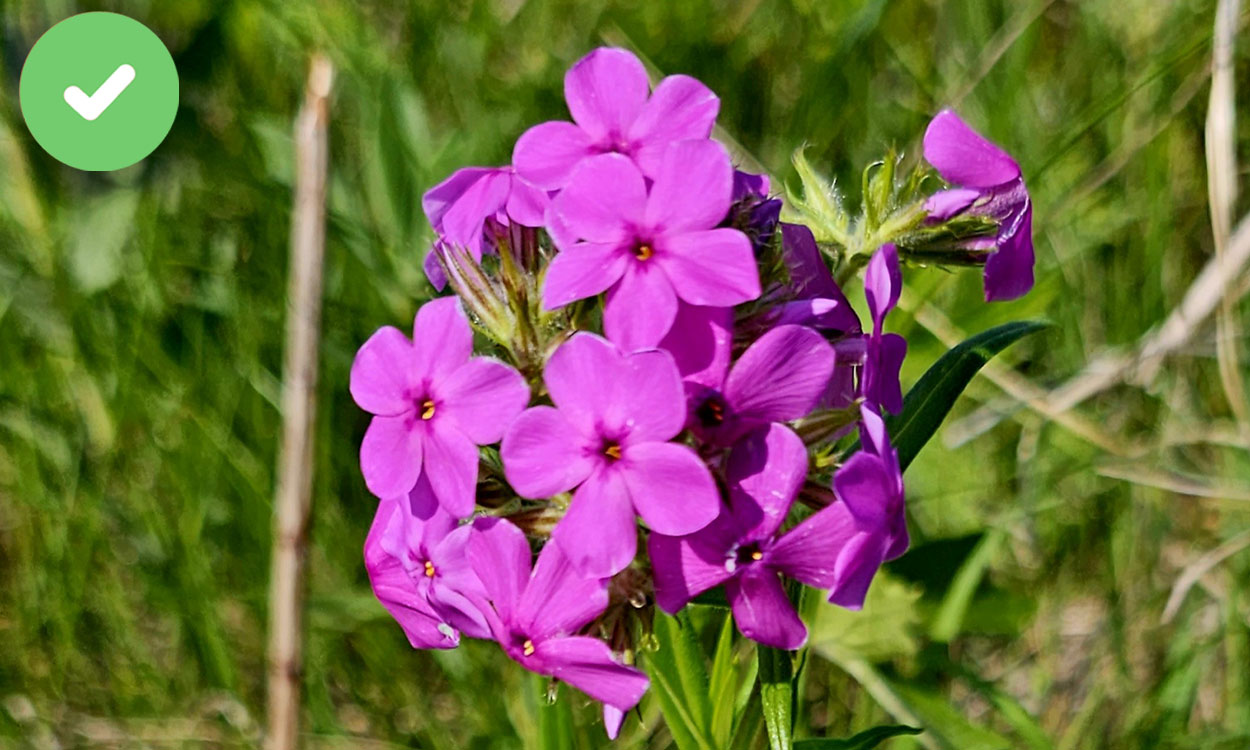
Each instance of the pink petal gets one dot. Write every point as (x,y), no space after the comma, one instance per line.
(868,489)
(650,402)
(686,566)
(764,473)
(527,203)
(546,154)
(613,718)
(692,189)
(605,91)
(963,157)
(500,557)
(881,373)
(883,283)
(576,376)
(455,590)
(482,398)
(640,308)
(381,371)
(858,563)
(605,197)
(450,461)
(442,340)
(598,533)
(671,488)
(680,108)
(583,270)
(589,665)
(715,267)
(700,342)
(810,551)
(781,376)
(1009,271)
(440,198)
(559,600)
(809,274)
(763,612)
(543,454)
(463,222)
(390,456)
(944,204)
(561,234)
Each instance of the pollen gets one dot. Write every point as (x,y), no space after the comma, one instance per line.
(429,569)
(613,451)
(756,555)
(527,648)
(427,409)
(643,251)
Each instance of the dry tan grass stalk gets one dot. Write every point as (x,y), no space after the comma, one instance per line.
(295,468)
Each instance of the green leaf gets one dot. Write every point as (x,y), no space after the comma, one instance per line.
(555,718)
(865,740)
(929,401)
(723,684)
(679,681)
(777,695)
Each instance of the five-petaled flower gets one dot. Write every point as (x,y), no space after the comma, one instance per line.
(989,183)
(433,404)
(742,549)
(608,436)
(415,556)
(649,247)
(607,94)
(537,616)
(780,377)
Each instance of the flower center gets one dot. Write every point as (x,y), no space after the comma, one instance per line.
(527,648)
(749,553)
(643,251)
(711,413)
(612,450)
(429,569)
(427,409)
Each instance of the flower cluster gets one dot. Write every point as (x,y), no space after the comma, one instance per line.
(716,421)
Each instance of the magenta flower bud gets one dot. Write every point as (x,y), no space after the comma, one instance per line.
(988,183)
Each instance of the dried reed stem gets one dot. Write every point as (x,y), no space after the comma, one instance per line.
(295,469)
(1221,143)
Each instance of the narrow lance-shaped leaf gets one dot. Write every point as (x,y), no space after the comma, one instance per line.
(865,740)
(931,399)
(679,682)
(776,695)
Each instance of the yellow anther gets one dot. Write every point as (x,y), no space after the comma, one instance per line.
(427,409)
(643,252)
(429,569)
(613,452)
(756,555)
(527,648)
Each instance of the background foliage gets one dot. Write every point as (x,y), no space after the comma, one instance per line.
(140,346)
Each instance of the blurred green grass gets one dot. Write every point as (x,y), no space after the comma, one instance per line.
(141,338)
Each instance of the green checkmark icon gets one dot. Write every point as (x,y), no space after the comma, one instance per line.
(99,91)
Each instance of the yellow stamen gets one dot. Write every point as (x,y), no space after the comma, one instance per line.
(429,569)
(613,451)
(756,555)
(527,648)
(643,252)
(427,409)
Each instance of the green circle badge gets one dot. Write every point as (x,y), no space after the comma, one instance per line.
(99,91)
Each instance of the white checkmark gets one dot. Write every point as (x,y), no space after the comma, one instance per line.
(91,107)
